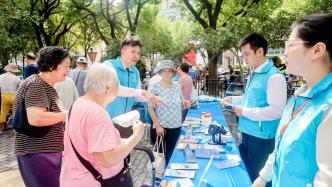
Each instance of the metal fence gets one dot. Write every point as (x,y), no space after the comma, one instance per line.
(209,87)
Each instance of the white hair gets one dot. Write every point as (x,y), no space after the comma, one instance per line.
(99,77)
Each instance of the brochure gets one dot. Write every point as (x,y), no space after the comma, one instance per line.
(207,153)
(194,146)
(191,139)
(165,183)
(184,166)
(226,164)
(181,146)
(180,173)
(233,157)
(189,155)
(185,182)
(199,131)
(192,120)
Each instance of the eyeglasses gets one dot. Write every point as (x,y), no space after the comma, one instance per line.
(289,43)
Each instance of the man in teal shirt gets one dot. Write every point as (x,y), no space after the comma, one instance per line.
(261,106)
(129,77)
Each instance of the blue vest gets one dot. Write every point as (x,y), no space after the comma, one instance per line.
(129,79)
(256,96)
(295,163)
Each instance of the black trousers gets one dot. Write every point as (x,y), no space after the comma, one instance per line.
(170,138)
(254,152)
(153,134)
(184,114)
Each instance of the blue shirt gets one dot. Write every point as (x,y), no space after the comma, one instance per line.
(30,69)
(78,75)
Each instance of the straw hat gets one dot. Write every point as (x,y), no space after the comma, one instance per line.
(11,68)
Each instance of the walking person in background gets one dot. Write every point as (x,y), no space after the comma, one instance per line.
(67,92)
(31,66)
(9,83)
(79,73)
(302,156)
(277,62)
(39,158)
(186,85)
(168,120)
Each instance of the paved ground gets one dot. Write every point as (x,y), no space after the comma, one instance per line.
(140,164)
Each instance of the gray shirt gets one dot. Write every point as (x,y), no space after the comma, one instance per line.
(9,83)
(78,75)
(67,92)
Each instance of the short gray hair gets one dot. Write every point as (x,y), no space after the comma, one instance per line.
(99,76)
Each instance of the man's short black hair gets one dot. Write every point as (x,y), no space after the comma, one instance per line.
(184,67)
(255,41)
(131,41)
(50,57)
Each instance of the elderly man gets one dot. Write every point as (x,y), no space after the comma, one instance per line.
(79,73)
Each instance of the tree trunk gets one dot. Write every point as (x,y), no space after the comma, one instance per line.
(212,65)
(4,57)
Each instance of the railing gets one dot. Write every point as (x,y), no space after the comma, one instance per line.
(209,87)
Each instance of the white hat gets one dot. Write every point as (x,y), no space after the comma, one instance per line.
(82,59)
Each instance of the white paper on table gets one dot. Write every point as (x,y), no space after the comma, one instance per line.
(233,157)
(186,182)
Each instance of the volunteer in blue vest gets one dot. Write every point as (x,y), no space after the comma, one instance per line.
(130,90)
(302,155)
(261,106)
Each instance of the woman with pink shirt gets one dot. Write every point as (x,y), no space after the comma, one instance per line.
(186,85)
(91,140)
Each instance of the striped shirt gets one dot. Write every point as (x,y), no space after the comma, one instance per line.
(39,93)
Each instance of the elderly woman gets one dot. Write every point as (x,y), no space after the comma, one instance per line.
(302,155)
(9,84)
(167,120)
(39,157)
(90,134)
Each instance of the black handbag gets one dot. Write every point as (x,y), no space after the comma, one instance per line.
(21,124)
(123,178)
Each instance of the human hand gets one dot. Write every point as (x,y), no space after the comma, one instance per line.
(259,182)
(238,110)
(160,131)
(186,104)
(226,100)
(138,128)
(153,99)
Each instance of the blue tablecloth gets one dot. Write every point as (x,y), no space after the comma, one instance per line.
(236,176)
